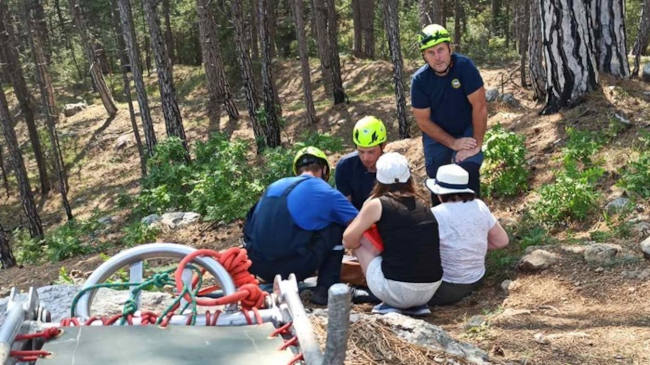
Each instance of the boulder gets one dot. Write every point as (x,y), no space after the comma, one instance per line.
(179,219)
(505,286)
(645,247)
(537,260)
(509,99)
(122,142)
(645,74)
(617,205)
(107,220)
(491,95)
(74,108)
(641,228)
(151,219)
(601,253)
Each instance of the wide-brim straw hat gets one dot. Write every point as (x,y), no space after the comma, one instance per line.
(450,179)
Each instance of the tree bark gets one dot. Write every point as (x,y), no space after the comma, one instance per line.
(271,123)
(93,60)
(128,32)
(51,114)
(357,45)
(368,28)
(391,23)
(171,113)
(7,258)
(15,72)
(332,32)
(215,73)
(34,221)
(536,65)
(246,70)
(608,22)
(431,12)
(255,52)
(298,15)
(169,40)
(40,25)
(319,16)
(124,62)
(643,36)
(4,172)
(458,29)
(571,68)
(523,28)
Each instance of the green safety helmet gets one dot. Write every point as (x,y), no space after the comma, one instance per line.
(309,155)
(433,35)
(369,132)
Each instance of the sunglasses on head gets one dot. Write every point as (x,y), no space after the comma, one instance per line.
(426,38)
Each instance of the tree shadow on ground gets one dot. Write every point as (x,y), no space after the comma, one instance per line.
(91,140)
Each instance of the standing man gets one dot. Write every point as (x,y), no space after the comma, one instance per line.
(449,106)
(355,172)
(297,225)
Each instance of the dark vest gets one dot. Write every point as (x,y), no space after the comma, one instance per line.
(411,242)
(270,232)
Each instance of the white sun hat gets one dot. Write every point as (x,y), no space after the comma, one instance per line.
(450,179)
(392,168)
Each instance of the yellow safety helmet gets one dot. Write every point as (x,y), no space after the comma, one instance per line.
(309,155)
(369,131)
(432,35)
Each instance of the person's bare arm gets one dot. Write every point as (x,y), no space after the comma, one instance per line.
(497,237)
(438,134)
(479,123)
(369,214)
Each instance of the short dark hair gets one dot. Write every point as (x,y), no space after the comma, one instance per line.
(457,197)
(311,167)
(394,190)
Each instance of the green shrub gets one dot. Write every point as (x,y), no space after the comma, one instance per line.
(581,146)
(137,233)
(504,170)
(573,196)
(27,250)
(635,176)
(70,239)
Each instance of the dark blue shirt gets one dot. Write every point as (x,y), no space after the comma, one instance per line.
(314,204)
(353,179)
(447,95)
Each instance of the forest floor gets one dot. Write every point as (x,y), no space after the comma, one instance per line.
(571,313)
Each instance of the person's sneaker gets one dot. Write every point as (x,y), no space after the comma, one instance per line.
(383,308)
(319,295)
(417,311)
(363,296)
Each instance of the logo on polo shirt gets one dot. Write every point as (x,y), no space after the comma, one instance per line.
(455,83)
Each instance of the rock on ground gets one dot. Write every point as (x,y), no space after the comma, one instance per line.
(537,260)
(74,108)
(491,95)
(179,219)
(645,247)
(601,253)
(645,74)
(617,205)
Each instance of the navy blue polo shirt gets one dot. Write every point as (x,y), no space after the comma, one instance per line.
(447,95)
(353,179)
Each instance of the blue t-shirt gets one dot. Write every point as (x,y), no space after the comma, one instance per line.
(353,179)
(447,95)
(314,204)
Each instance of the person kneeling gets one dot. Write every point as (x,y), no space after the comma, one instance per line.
(407,273)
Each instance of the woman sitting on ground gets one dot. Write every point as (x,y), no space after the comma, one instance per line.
(406,274)
(467,230)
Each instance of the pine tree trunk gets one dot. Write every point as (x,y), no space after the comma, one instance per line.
(171,113)
(357,45)
(40,26)
(91,54)
(319,14)
(431,12)
(523,28)
(215,73)
(4,172)
(458,29)
(246,70)
(332,32)
(607,19)
(255,52)
(271,123)
(169,40)
(15,72)
(571,68)
(35,226)
(124,62)
(298,16)
(128,32)
(68,42)
(536,65)
(51,114)
(643,36)
(7,258)
(368,28)
(391,24)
